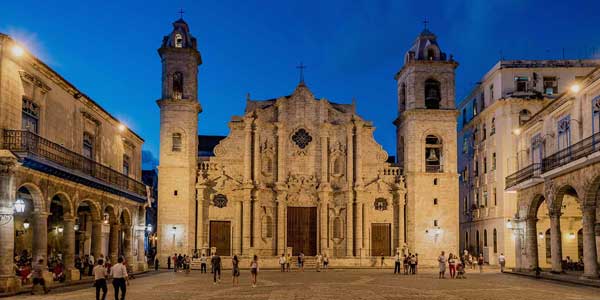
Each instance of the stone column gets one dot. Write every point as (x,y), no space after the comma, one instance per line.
(97,239)
(201,219)
(281,176)
(113,243)
(401,240)
(237,233)
(281,223)
(518,249)
(248,151)
(349,206)
(555,242)
(8,282)
(141,252)
(69,245)
(246,228)
(323,219)
(324,155)
(256,221)
(358,240)
(358,155)
(256,154)
(590,259)
(531,242)
(40,236)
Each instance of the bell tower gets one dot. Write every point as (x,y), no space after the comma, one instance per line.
(179,109)
(426,148)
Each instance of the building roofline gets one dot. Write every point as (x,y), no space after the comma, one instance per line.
(77,91)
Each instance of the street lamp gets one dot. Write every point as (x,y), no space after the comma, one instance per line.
(575,88)
(149,228)
(26,224)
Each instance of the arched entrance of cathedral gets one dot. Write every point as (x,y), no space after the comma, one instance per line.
(302,230)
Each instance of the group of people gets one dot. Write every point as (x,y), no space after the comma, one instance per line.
(458,263)
(181,263)
(408,262)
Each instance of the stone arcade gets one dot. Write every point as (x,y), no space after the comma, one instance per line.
(299,173)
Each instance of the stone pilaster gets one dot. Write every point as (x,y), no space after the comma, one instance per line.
(531,242)
(324,196)
(237,232)
(359,234)
(246,220)
(248,151)
(40,236)
(113,242)
(202,243)
(555,242)
(127,243)
(141,253)
(281,222)
(280,153)
(8,281)
(590,259)
(350,204)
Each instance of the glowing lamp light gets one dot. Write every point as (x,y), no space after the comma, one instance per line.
(575,88)
(122,127)
(20,206)
(26,224)
(76,227)
(541,235)
(17,50)
(60,229)
(509,224)
(517,131)
(149,228)
(571,235)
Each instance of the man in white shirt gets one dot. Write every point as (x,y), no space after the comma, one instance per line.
(502,262)
(397,263)
(91,264)
(120,276)
(100,275)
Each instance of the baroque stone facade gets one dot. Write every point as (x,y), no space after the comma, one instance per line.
(303,174)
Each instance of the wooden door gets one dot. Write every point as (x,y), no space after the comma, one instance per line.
(302,230)
(380,239)
(220,237)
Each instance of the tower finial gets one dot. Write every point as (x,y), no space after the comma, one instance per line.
(180,12)
(301,67)
(425,22)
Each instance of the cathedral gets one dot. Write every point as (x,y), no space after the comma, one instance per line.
(299,174)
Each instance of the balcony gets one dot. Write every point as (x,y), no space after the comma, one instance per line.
(522,175)
(39,153)
(434,169)
(572,153)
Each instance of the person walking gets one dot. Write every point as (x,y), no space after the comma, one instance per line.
(203,263)
(188,264)
(382,260)
(318,260)
(288,261)
(168,263)
(156,264)
(480,262)
(235,270)
(325,262)
(282,262)
(175,262)
(405,260)
(254,270)
(301,261)
(452,265)
(416,263)
(502,262)
(91,264)
(397,263)
(215,263)
(100,275)
(119,278)
(38,276)
(442,265)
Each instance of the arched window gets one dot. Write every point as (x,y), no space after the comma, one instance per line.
(485,244)
(493,129)
(433,154)
(88,145)
(432,94)
(177,85)
(178,40)
(126,164)
(495,237)
(267,166)
(402,95)
(430,54)
(176,142)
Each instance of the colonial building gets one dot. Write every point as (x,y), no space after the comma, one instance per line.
(505,98)
(299,173)
(69,172)
(556,225)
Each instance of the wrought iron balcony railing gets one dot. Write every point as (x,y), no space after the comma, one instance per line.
(523,174)
(20,141)
(574,152)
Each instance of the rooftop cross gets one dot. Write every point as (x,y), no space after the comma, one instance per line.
(301,67)
(180,12)
(425,22)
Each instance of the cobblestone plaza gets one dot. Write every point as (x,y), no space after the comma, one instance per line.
(337,284)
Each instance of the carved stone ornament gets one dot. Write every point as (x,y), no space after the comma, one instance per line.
(220,200)
(5,219)
(7,165)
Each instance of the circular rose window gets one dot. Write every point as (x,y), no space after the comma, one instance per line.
(220,201)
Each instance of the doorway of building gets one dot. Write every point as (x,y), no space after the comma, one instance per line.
(302,230)
(220,237)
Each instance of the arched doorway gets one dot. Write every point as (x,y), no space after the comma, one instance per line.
(23,218)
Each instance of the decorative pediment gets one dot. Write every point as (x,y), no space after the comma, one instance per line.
(35,81)
(378,185)
(302,188)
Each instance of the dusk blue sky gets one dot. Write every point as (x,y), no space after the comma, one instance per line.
(352,48)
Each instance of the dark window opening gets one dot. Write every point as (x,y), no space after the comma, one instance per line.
(432,94)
